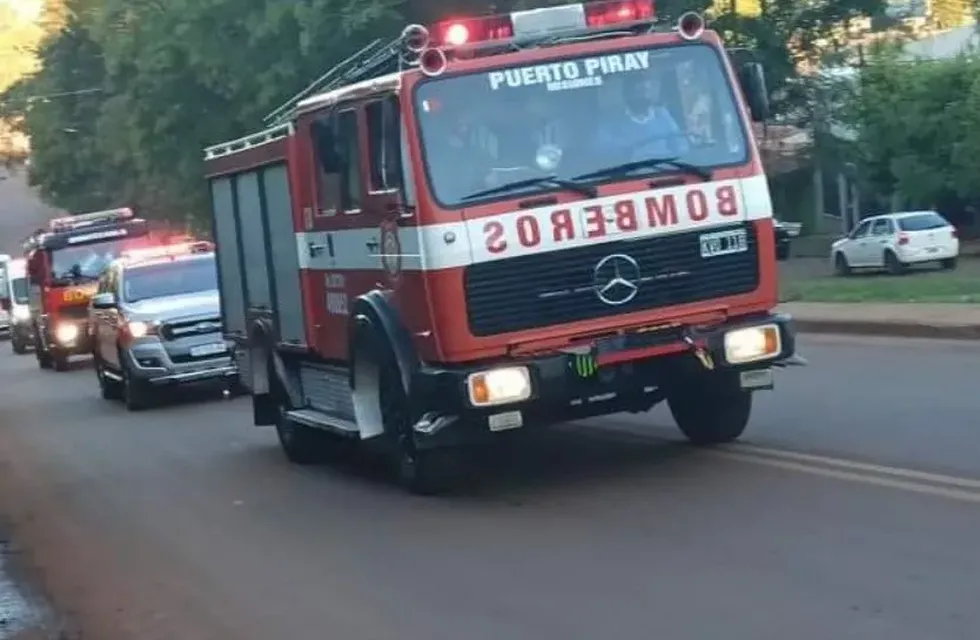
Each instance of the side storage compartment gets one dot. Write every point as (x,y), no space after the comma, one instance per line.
(230,282)
(287,302)
(258,266)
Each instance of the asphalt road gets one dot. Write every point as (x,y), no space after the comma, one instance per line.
(830,520)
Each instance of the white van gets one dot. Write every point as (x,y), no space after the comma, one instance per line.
(21,335)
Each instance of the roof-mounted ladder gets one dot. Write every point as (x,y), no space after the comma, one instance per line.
(362,65)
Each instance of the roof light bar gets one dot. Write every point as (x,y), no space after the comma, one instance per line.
(536,23)
(167,251)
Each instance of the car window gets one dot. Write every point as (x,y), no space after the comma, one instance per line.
(922,222)
(881,227)
(861,230)
(170,279)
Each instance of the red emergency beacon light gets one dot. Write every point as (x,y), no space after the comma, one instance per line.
(537,22)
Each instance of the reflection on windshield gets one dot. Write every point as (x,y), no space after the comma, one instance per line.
(72,265)
(578,116)
(19,285)
(170,279)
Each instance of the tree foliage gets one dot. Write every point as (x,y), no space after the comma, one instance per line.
(918,126)
(130,91)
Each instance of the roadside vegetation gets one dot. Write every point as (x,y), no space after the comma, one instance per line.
(811,280)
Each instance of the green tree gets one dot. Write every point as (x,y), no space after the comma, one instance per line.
(918,129)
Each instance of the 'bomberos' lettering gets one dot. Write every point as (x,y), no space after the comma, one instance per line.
(663,210)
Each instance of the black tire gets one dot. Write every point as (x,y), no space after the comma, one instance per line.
(19,347)
(109,389)
(135,393)
(841,267)
(424,472)
(893,265)
(948,264)
(44,359)
(59,361)
(301,444)
(711,410)
(782,252)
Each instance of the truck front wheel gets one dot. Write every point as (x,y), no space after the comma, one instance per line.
(711,409)
(420,471)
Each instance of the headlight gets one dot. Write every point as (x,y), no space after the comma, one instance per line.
(138,329)
(752,344)
(22,313)
(499,386)
(66,333)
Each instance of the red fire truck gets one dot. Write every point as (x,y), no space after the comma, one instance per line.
(500,222)
(64,262)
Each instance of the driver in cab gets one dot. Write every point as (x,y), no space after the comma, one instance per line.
(644,128)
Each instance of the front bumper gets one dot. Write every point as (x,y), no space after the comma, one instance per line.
(149,362)
(627,375)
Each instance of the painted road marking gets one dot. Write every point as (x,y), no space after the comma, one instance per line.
(949,492)
(959,488)
(897,472)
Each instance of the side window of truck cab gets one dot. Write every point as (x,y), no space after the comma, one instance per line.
(336,141)
(384,144)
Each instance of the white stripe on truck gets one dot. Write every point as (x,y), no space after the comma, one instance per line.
(544,229)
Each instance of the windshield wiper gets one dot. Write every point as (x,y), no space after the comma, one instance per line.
(649,163)
(568,185)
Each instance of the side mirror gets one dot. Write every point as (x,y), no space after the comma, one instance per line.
(104,301)
(752,77)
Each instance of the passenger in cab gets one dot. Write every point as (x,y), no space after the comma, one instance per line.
(644,128)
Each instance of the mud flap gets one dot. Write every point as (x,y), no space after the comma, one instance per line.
(265,410)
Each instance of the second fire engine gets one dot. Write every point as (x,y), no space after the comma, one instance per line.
(64,262)
(504,221)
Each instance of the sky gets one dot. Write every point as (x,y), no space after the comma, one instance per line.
(26,9)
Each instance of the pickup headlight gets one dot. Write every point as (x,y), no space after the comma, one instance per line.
(140,329)
(752,344)
(499,386)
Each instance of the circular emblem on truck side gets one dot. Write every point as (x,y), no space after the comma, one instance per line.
(391,250)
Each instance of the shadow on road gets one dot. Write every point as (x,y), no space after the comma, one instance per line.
(522,465)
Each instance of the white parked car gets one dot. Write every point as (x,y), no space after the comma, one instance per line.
(896,240)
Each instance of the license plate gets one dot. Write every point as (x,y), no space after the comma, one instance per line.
(932,249)
(756,379)
(505,421)
(721,243)
(209,349)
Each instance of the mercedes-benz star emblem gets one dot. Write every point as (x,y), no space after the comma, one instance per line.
(616,279)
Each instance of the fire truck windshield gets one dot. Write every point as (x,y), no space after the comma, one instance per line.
(72,265)
(599,118)
(160,280)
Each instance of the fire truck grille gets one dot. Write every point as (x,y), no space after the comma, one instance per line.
(188,328)
(73,313)
(559,287)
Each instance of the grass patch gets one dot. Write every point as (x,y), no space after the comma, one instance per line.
(950,287)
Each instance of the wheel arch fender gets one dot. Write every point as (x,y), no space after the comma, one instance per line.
(373,311)
(269,381)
